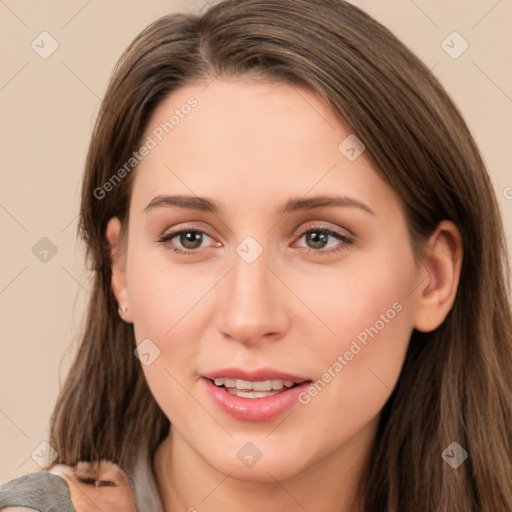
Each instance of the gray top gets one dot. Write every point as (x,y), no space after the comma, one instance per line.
(42,491)
(47,492)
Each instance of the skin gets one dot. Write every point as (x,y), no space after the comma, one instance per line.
(250,146)
(94,487)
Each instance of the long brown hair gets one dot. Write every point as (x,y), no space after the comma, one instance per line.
(456,383)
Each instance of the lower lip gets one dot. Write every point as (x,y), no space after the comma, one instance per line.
(254,409)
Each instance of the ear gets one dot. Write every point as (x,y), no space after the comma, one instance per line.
(118,257)
(438,277)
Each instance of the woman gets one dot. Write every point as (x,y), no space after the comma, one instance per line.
(301,287)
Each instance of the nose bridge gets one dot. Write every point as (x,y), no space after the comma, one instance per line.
(252,305)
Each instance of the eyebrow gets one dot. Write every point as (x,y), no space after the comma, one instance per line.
(293,204)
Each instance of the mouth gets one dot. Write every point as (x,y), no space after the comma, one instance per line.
(259,395)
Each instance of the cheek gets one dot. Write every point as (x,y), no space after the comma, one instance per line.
(166,305)
(163,295)
(369,313)
(168,308)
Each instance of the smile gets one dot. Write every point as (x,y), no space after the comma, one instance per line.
(261,395)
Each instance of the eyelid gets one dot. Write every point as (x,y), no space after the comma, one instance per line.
(320,225)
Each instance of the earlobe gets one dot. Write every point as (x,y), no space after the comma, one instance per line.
(439,279)
(118,259)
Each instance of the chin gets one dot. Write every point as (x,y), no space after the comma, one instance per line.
(256,460)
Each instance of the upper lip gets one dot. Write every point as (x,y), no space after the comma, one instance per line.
(257,375)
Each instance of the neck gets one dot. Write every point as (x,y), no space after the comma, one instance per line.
(187,482)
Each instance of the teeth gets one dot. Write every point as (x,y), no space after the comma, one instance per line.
(277,384)
(265,385)
(251,394)
(245,385)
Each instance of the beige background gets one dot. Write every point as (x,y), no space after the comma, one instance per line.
(47,110)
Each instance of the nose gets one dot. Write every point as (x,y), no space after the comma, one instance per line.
(253,303)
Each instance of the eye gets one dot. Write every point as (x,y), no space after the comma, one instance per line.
(317,240)
(189,239)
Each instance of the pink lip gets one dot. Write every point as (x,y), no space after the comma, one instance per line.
(254,409)
(253,375)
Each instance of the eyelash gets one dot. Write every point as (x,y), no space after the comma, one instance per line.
(347,240)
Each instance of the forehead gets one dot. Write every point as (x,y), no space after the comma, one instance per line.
(251,141)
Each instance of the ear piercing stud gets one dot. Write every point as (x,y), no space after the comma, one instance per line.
(123,309)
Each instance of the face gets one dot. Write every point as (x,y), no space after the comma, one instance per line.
(275,312)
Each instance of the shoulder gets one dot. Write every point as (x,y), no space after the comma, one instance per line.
(80,488)
(40,491)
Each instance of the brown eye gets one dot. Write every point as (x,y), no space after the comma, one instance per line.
(185,240)
(317,239)
(191,239)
